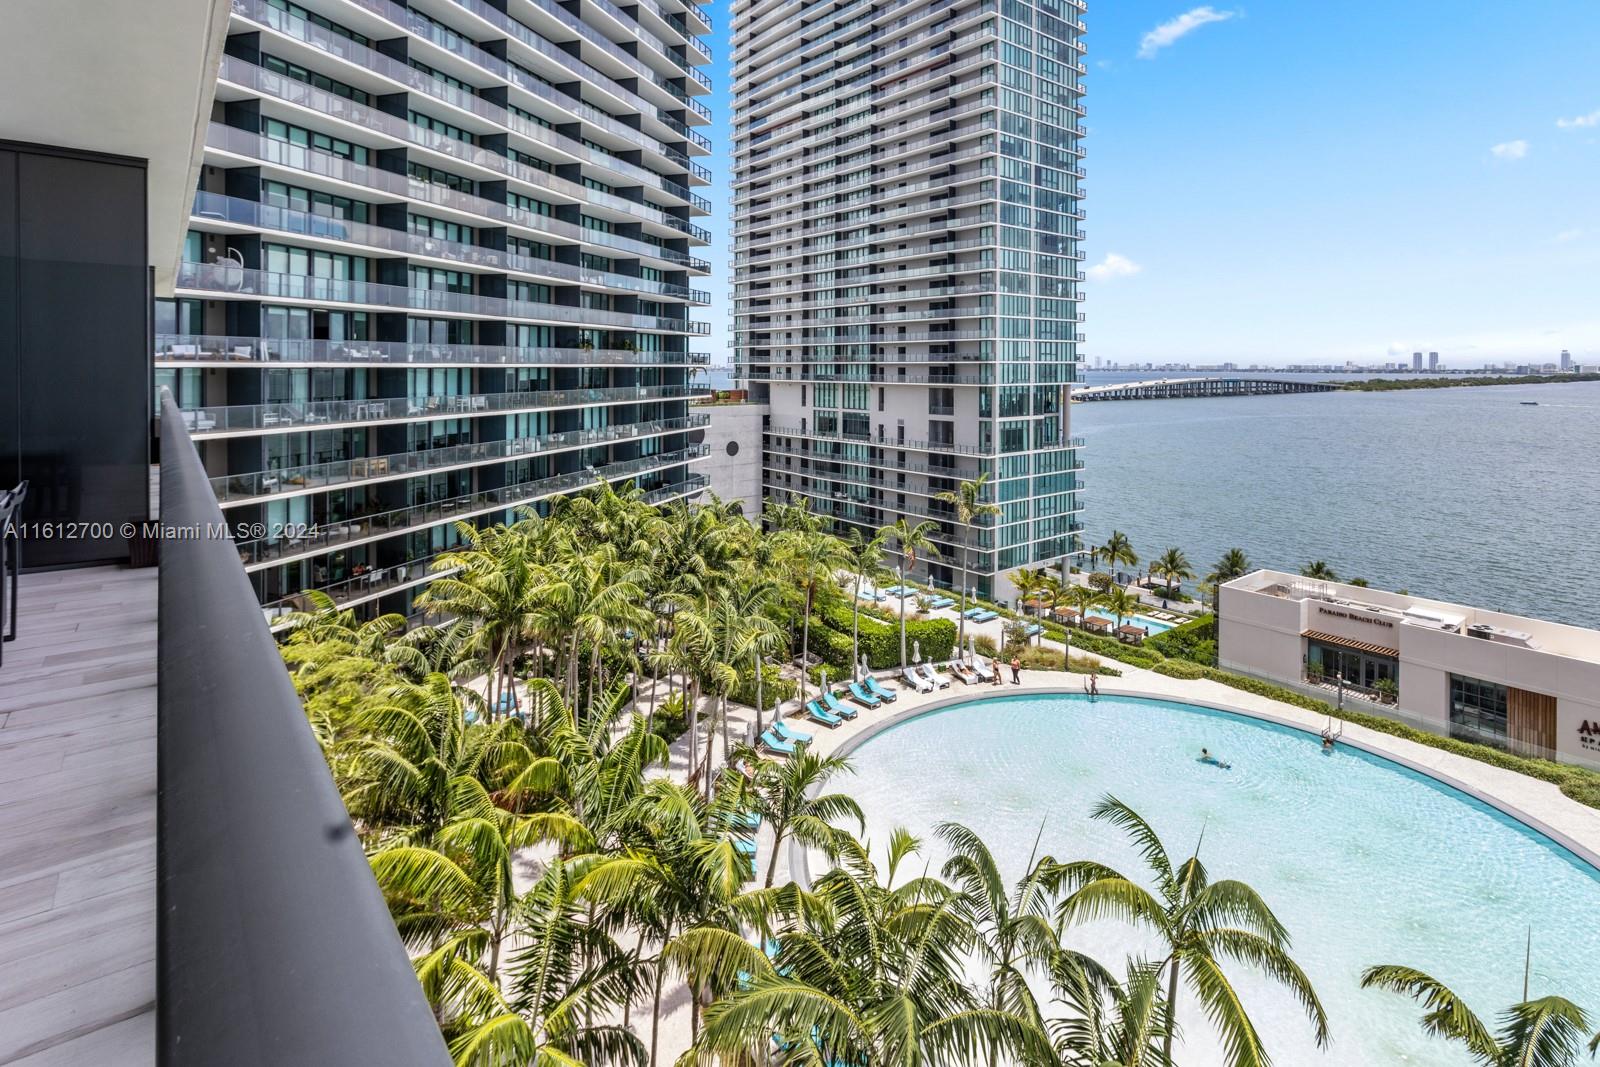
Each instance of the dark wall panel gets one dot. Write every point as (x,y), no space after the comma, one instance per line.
(80,360)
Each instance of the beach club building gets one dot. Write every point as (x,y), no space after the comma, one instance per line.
(1524,685)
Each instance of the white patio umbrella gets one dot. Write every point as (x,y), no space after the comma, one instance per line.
(916,651)
(824,683)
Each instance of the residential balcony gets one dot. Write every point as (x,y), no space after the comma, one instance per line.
(255,419)
(213,210)
(278,87)
(880,441)
(229,141)
(286,544)
(258,486)
(223,350)
(228,280)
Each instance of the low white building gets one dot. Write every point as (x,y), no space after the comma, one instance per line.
(733,463)
(1525,685)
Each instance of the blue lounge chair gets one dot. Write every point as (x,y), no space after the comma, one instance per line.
(1033,628)
(820,714)
(943,602)
(985,616)
(744,846)
(886,695)
(839,707)
(777,744)
(795,736)
(863,697)
(745,820)
(972,613)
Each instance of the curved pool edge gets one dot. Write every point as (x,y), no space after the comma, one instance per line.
(799,855)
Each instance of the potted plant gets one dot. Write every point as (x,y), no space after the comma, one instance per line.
(1388,690)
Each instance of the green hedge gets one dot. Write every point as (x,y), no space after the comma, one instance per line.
(1195,641)
(880,641)
(1109,647)
(774,687)
(1177,668)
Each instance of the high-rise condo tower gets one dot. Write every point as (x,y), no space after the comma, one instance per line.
(907,202)
(440,264)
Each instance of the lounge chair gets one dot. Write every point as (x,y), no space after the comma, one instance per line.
(984,615)
(789,734)
(943,602)
(862,697)
(972,613)
(838,707)
(745,820)
(982,670)
(915,680)
(745,846)
(1033,628)
(934,678)
(777,744)
(882,692)
(820,714)
(964,672)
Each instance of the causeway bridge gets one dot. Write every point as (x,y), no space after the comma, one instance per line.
(1178,388)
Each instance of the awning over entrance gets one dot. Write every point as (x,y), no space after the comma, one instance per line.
(1345,642)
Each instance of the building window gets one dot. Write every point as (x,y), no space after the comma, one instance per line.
(1478,710)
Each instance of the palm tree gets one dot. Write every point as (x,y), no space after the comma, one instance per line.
(1081,598)
(968,500)
(788,796)
(568,969)
(866,558)
(910,540)
(1233,564)
(1201,924)
(867,972)
(1108,1022)
(1547,1032)
(1174,566)
(1120,603)
(811,559)
(1029,582)
(1052,594)
(492,581)
(744,633)
(1118,549)
(1319,570)
(1014,939)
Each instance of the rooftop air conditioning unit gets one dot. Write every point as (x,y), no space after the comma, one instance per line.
(1481,631)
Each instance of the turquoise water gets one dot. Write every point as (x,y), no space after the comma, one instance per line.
(1155,626)
(1364,861)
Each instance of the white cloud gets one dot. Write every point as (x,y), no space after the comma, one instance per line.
(1568,236)
(1510,150)
(1579,122)
(1170,31)
(1114,265)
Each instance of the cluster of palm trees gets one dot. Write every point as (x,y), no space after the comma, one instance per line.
(562,883)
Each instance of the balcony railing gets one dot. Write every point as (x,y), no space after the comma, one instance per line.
(233,280)
(322,414)
(222,348)
(267,911)
(247,488)
(282,544)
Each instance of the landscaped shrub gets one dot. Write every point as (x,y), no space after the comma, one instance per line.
(1195,641)
(985,645)
(880,641)
(774,687)
(669,722)
(1177,668)
(1048,659)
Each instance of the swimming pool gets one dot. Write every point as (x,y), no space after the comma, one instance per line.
(1155,626)
(1364,861)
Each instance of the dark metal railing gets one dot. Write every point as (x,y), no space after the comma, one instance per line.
(275,945)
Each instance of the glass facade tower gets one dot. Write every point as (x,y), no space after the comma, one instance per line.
(441,263)
(907,203)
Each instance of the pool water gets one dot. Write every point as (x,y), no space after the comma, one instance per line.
(1364,861)
(1155,626)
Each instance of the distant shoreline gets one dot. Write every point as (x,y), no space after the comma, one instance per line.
(1387,385)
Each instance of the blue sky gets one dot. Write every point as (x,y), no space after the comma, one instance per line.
(1288,181)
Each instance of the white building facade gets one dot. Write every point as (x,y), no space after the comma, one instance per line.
(907,203)
(1525,685)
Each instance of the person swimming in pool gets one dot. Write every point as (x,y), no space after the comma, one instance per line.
(1207,757)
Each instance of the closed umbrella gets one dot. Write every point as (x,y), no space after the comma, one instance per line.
(916,651)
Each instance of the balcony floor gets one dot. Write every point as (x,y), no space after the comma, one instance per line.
(78,821)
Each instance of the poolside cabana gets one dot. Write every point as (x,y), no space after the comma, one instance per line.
(1097,624)
(1130,634)
(1065,615)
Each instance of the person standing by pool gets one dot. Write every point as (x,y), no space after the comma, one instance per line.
(1016,671)
(994,665)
